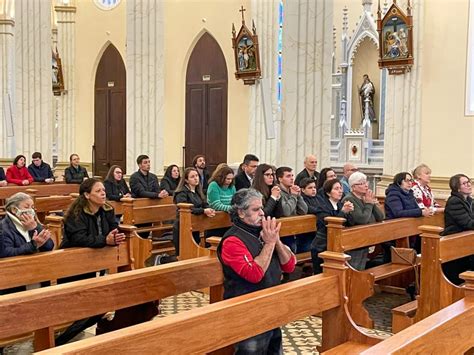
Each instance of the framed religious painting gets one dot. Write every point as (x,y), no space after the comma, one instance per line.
(247,57)
(57,74)
(395,39)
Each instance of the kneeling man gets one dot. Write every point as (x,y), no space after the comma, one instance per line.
(253,258)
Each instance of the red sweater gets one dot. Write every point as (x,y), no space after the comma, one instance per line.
(16,175)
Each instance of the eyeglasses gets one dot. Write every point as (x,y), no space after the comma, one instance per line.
(408,180)
(361,183)
(465,183)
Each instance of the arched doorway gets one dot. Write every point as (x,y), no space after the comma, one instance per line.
(206,103)
(109,112)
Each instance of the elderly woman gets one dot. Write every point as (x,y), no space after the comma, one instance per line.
(366,211)
(21,233)
(421,189)
(458,217)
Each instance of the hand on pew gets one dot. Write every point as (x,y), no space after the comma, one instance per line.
(348,207)
(163,194)
(427,212)
(3,183)
(115,238)
(209,212)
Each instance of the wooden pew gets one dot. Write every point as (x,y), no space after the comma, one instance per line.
(39,189)
(191,223)
(50,266)
(448,331)
(207,329)
(436,291)
(46,205)
(119,206)
(343,239)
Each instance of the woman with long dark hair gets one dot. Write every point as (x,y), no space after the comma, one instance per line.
(171,179)
(264,182)
(115,185)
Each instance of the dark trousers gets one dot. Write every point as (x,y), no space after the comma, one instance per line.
(452,269)
(196,236)
(268,343)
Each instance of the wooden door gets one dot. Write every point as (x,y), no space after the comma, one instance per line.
(110,113)
(206,103)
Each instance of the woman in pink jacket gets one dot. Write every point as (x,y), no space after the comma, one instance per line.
(18,173)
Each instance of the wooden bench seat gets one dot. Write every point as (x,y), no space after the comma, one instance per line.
(402,316)
(343,239)
(349,348)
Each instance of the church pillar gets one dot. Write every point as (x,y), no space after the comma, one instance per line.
(33,74)
(306,80)
(66,38)
(263,130)
(7,85)
(403,108)
(145,82)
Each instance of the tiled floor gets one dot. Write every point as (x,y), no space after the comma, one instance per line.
(299,337)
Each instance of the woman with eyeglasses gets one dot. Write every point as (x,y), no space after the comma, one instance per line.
(264,182)
(458,217)
(115,185)
(400,201)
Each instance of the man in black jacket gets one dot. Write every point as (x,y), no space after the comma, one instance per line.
(243,180)
(3,178)
(309,171)
(39,170)
(143,183)
(199,162)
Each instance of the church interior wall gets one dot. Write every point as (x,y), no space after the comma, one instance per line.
(95,29)
(447,134)
(185,21)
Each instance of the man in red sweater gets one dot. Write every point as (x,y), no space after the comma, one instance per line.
(253,258)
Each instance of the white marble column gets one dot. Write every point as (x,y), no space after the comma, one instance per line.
(33,77)
(403,108)
(145,82)
(7,84)
(265,14)
(66,25)
(306,80)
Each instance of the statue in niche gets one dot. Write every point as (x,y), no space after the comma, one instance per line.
(366,94)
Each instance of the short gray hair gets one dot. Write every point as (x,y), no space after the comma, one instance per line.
(356,178)
(16,199)
(242,199)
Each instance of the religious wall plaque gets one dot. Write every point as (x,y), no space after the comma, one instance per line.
(247,57)
(396,39)
(57,74)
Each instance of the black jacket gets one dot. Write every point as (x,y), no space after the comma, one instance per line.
(304,174)
(458,214)
(83,230)
(204,180)
(2,174)
(116,190)
(325,209)
(169,184)
(75,176)
(312,202)
(241,181)
(144,185)
(40,173)
(270,206)
(400,203)
(12,243)
(187,196)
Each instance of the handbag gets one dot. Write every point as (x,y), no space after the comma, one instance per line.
(407,256)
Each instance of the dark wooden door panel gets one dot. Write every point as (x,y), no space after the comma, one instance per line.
(110,112)
(206,103)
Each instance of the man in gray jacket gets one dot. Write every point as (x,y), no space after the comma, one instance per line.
(366,210)
(291,203)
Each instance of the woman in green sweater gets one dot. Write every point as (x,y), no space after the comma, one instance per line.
(221,189)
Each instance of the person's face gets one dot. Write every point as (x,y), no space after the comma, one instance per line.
(330,175)
(251,168)
(145,165)
(228,179)
(366,78)
(25,206)
(360,188)
(118,174)
(336,192)
(254,214)
(424,176)
(193,179)
(465,186)
(201,163)
(97,195)
(310,189)
(407,182)
(75,160)
(268,177)
(350,169)
(287,179)
(311,163)
(20,163)
(37,161)
(175,172)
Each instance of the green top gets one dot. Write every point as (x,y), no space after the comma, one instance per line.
(219,198)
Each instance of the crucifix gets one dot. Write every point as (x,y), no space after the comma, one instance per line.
(242,10)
